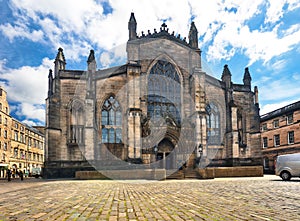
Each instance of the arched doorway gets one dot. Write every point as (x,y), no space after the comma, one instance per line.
(167,160)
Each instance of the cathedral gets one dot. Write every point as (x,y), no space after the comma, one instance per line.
(158,113)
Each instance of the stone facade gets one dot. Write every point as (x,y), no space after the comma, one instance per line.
(159,110)
(27,147)
(21,146)
(5,125)
(280,134)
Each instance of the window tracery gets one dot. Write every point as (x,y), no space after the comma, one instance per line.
(164,92)
(213,124)
(76,134)
(111,121)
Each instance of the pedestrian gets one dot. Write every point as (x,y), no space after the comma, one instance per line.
(8,175)
(21,175)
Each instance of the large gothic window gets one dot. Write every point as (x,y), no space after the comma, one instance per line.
(213,124)
(111,121)
(76,122)
(164,92)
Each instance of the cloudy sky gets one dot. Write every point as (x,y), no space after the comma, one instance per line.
(261,34)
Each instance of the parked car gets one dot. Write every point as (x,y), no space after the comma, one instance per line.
(36,172)
(288,166)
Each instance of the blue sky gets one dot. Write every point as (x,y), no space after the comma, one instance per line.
(263,35)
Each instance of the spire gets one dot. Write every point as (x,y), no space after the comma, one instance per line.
(60,55)
(132,27)
(256,102)
(226,71)
(247,78)
(50,83)
(92,66)
(60,61)
(226,76)
(91,56)
(193,36)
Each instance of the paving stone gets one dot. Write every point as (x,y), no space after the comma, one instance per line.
(266,198)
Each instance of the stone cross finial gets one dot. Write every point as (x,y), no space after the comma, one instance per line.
(164,26)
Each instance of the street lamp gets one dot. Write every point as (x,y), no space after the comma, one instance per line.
(200,150)
(155,151)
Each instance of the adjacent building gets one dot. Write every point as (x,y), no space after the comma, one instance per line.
(22,146)
(280,134)
(5,132)
(159,110)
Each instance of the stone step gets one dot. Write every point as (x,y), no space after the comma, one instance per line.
(191,174)
(177,175)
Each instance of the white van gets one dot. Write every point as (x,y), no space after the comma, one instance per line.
(288,166)
(36,172)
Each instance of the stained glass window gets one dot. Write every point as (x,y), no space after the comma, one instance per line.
(213,124)
(164,92)
(111,121)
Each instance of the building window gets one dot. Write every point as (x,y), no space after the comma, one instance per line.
(164,92)
(15,152)
(16,125)
(5,146)
(111,121)
(22,138)
(265,142)
(291,137)
(5,134)
(266,163)
(5,121)
(77,123)
(16,135)
(276,123)
(276,140)
(213,124)
(1,106)
(264,127)
(22,156)
(289,119)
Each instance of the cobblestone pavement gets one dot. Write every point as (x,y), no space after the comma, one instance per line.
(264,198)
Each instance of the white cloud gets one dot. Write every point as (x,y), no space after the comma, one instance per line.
(32,112)
(26,87)
(296,76)
(27,84)
(76,29)
(17,31)
(278,65)
(30,123)
(276,90)
(271,107)
(274,10)
(79,27)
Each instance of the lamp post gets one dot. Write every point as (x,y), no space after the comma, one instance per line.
(200,150)
(155,151)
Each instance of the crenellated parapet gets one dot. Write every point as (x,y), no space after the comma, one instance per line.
(164,33)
